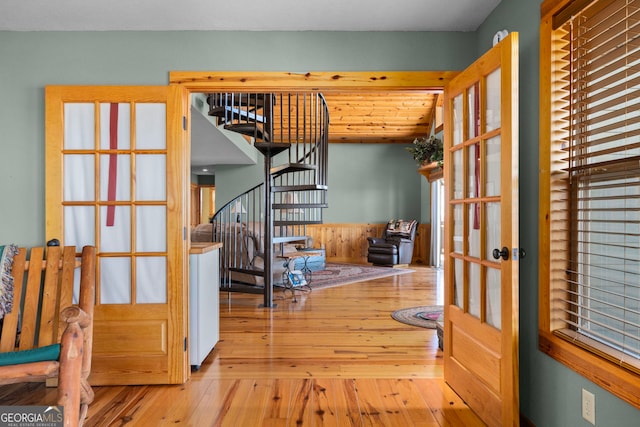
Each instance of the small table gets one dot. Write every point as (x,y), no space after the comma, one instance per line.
(306,271)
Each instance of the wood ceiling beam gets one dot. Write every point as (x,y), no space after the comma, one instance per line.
(212,81)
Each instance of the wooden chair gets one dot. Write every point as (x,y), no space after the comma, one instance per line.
(43,315)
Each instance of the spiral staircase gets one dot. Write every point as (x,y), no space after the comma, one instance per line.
(291,131)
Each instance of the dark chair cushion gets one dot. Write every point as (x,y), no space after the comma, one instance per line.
(383,248)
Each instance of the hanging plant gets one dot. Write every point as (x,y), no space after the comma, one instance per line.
(427,150)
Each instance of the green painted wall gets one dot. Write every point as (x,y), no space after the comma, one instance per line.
(367,183)
(32,60)
(550,393)
(384,184)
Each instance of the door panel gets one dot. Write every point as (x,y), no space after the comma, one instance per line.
(115,171)
(481,166)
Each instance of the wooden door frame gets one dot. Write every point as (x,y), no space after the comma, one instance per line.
(200,188)
(351,81)
(365,81)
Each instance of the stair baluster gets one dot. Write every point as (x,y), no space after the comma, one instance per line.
(293,193)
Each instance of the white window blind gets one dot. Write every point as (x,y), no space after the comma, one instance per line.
(598,209)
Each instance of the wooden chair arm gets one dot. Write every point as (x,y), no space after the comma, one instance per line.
(74,314)
(71,357)
(28,372)
(376,240)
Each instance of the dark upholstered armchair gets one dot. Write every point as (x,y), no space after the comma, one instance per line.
(396,244)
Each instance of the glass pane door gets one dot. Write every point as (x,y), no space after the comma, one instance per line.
(115,195)
(481,277)
(116,174)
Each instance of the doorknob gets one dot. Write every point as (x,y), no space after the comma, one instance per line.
(504,253)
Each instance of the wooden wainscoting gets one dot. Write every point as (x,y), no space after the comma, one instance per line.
(348,242)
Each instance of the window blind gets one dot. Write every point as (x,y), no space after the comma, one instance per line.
(598,209)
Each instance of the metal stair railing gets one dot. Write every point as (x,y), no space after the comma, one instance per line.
(291,132)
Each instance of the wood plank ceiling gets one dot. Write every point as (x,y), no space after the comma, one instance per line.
(390,117)
(385,117)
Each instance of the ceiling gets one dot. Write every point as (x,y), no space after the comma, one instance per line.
(383,117)
(396,117)
(250,15)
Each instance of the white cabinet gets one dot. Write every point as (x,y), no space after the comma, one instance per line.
(204,308)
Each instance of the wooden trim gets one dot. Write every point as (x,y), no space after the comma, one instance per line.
(177,222)
(320,81)
(620,382)
(611,377)
(548,8)
(431,171)
(568,11)
(438,114)
(198,248)
(544,228)
(194,204)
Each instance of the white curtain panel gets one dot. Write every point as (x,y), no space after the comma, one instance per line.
(436,220)
(115,183)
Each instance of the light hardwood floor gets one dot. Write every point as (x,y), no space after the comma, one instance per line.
(334,358)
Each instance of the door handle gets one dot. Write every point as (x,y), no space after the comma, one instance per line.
(504,253)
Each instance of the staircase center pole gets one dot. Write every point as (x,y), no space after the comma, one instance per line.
(268,229)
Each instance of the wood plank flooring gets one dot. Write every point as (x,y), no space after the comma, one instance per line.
(334,358)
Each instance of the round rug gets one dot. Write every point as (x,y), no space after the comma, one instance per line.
(424,316)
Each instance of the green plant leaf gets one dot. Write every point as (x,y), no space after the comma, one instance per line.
(427,150)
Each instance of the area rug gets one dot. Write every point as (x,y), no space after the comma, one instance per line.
(424,316)
(342,274)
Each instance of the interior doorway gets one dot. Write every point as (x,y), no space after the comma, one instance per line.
(207,202)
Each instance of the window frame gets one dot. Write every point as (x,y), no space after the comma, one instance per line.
(619,381)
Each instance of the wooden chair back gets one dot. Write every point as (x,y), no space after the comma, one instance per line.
(44,313)
(40,297)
